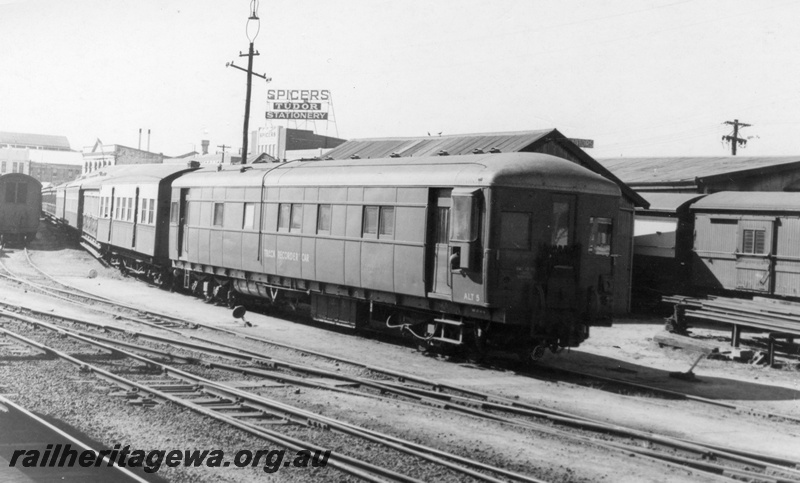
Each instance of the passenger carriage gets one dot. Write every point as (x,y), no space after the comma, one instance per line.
(20,207)
(510,249)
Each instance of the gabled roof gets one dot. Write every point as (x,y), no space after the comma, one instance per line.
(687,170)
(431,145)
(458,144)
(44,141)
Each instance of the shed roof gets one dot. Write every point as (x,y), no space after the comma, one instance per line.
(44,141)
(431,145)
(686,170)
(739,201)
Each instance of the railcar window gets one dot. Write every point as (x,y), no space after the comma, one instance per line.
(16,192)
(754,242)
(561,224)
(370,220)
(515,231)
(600,238)
(297,218)
(129,217)
(465,218)
(173,212)
(219,211)
(386,225)
(442,225)
(151,212)
(284,213)
(143,211)
(324,219)
(249,216)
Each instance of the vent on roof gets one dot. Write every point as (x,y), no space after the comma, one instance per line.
(477,151)
(495,151)
(355,156)
(442,152)
(394,155)
(193,164)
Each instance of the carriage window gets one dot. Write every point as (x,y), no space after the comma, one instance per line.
(151,212)
(219,211)
(561,223)
(284,213)
(143,211)
(754,242)
(386,225)
(515,231)
(324,219)
(129,216)
(600,239)
(297,218)
(370,220)
(173,212)
(249,216)
(465,218)
(16,193)
(442,224)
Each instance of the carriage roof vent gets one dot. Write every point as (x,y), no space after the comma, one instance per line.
(477,151)
(442,152)
(495,151)
(355,156)
(394,155)
(193,164)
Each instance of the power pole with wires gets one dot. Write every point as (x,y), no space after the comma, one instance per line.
(735,139)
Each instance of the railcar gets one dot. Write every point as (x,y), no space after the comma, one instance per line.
(511,249)
(20,207)
(747,242)
(122,216)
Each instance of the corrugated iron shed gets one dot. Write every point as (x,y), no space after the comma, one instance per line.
(432,145)
(739,201)
(44,141)
(548,141)
(687,170)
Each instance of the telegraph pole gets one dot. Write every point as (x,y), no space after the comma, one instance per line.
(251,36)
(735,139)
(223,152)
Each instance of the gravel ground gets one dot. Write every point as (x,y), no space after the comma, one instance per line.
(610,351)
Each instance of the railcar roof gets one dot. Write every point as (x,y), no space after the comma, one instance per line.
(749,201)
(11,176)
(130,174)
(502,169)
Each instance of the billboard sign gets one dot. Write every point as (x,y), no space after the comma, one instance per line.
(298,104)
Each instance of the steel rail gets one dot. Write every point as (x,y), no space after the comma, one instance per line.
(527,425)
(353,466)
(413,449)
(438,386)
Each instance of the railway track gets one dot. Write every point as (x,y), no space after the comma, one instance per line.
(482,405)
(490,409)
(253,413)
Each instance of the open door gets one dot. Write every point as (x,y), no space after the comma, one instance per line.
(754,267)
(439,273)
(183,220)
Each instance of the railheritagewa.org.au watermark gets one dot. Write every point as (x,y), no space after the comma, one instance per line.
(65,456)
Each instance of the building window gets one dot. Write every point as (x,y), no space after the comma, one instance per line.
(219,211)
(249,216)
(324,219)
(754,242)
(3,167)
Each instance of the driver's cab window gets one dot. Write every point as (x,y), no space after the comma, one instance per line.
(600,238)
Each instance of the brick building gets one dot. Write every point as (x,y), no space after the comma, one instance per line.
(47,158)
(101,155)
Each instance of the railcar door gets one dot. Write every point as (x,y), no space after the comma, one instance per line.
(753,255)
(439,274)
(183,219)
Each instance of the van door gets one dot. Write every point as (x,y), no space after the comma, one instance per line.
(439,273)
(754,266)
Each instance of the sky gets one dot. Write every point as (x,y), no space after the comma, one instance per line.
(639,77)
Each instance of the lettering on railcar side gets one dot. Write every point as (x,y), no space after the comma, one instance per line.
(472,297)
